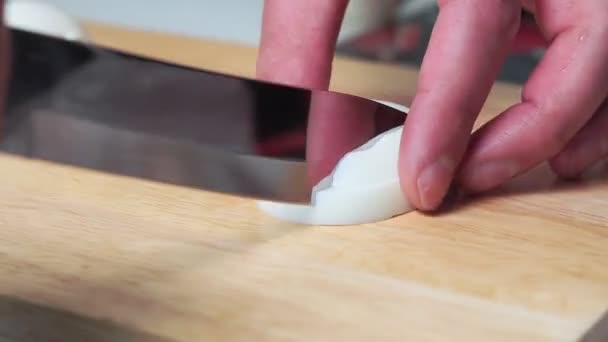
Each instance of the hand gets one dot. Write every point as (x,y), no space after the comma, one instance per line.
(562,118)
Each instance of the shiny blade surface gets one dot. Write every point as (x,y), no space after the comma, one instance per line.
(98,108)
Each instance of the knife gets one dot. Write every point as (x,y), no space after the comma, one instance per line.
(598,332)
(98,108)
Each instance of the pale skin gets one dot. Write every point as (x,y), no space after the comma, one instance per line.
(562,117)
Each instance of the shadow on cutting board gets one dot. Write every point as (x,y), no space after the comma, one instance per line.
(27,322)
(536,181)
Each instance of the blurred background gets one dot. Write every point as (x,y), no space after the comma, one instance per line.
(389,30)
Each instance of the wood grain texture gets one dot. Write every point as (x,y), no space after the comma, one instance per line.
(117,258)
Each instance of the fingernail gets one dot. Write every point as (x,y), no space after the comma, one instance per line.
(490,174)
(434,182)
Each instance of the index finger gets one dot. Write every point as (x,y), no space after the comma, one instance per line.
(298,41)
(470,41)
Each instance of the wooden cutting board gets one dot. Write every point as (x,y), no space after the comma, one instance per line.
(95,257)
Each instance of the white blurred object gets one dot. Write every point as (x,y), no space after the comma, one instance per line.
(363,188)
(43,18)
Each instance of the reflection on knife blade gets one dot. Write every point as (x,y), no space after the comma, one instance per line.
(102,109)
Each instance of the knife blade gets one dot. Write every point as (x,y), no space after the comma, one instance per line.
(99,108)
(598,332)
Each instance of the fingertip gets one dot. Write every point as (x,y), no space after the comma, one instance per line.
(427,187)
(429,157)
(566,165)
(407,179)
(434,181)
(407,170)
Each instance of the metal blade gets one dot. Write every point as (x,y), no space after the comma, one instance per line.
(598,332)
(98,108)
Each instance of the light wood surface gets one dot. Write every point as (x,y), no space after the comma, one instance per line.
(109,258)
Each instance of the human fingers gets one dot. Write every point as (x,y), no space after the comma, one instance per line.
(298,41)
(562,94)
(469,42)
(588,146)
(297,48)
